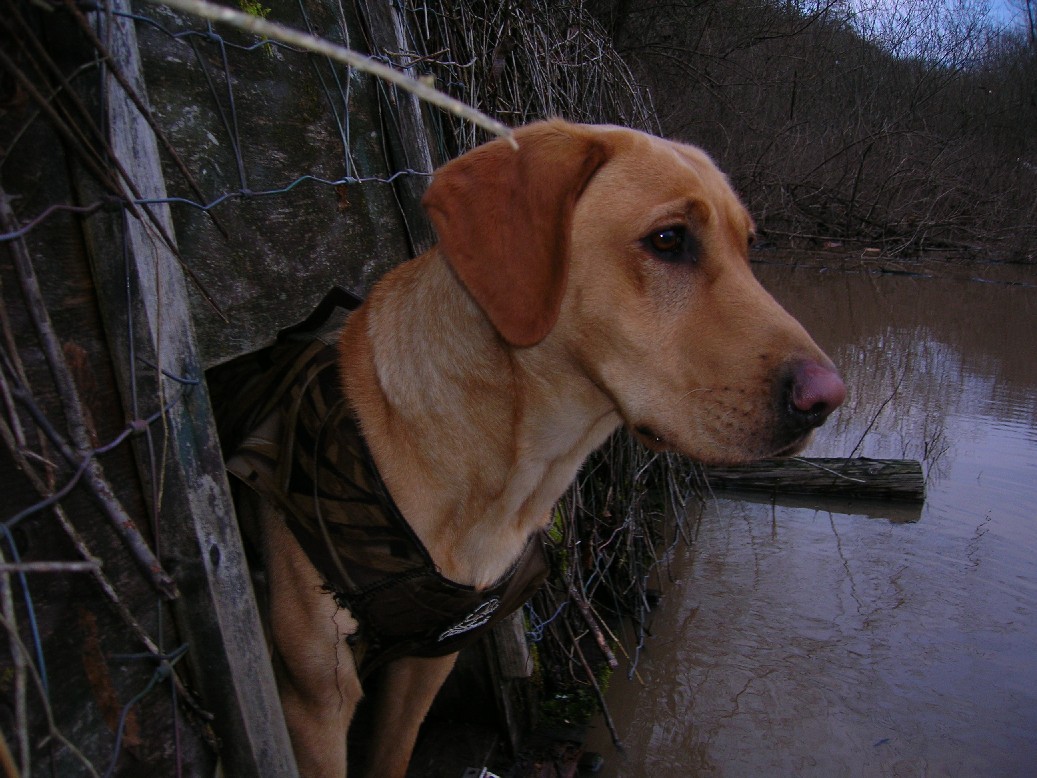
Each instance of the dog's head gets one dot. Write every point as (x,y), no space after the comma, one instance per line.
(631,253)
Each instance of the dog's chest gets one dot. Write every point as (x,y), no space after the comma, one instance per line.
(318,472)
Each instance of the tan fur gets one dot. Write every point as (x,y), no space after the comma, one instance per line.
(485,371)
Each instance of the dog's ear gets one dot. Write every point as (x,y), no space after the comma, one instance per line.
(504,216)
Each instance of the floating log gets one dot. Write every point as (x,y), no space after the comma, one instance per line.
(859,478)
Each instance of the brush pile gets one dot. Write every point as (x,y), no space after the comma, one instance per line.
(520,61)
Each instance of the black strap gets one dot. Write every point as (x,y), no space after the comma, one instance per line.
(337,297)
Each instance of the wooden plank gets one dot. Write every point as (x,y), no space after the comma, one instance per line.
(405,133)
(873,479)
(216,612)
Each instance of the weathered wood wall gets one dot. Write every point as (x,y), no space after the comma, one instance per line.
(250,123)
(143,267)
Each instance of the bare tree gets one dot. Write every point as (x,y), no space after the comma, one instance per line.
(906,123)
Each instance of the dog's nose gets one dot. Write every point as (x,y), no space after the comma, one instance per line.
(812,393)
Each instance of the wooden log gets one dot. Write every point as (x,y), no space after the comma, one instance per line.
(860,478)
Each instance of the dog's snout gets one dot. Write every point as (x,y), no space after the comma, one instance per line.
(813,391)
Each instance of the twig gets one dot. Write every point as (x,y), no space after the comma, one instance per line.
(836,473)
(92,564)
(602,704)
(18,662)
(49,567)
(75,415)
(52,727)
(875,417)
(619,645)
(7,759)
(592,624)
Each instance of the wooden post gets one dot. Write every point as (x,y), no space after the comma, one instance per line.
(200,543)
(406,135)
(512,663)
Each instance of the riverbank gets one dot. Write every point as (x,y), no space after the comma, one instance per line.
(863,258)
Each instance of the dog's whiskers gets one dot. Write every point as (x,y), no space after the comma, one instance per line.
(699,390)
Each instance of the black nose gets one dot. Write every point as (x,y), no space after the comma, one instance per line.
(812,391)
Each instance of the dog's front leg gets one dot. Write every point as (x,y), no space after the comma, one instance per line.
(316,673)
(407,688)
(319,694)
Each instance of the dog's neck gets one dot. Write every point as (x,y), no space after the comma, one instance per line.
(475,440)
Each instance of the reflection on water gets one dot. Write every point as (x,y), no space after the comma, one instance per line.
(825,640)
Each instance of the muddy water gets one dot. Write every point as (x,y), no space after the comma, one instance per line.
(836,640)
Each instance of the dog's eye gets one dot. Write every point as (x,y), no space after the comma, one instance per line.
(671,244)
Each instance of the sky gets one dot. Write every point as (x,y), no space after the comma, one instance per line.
(1006,11)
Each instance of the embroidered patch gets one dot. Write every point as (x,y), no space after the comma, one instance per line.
(473,620)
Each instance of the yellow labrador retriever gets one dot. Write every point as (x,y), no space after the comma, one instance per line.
(593,278)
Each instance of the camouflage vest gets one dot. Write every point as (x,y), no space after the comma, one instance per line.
(321,475)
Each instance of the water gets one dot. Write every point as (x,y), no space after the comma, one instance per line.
(866,640)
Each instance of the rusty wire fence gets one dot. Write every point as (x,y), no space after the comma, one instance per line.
(171,195)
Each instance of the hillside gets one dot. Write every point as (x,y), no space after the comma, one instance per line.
(908,132)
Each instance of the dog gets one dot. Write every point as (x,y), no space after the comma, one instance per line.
(596,277)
